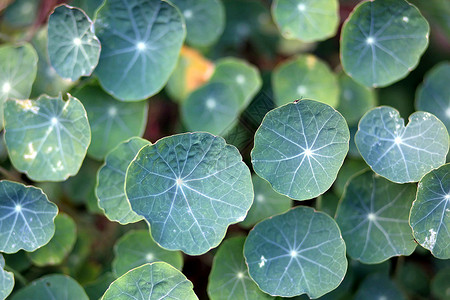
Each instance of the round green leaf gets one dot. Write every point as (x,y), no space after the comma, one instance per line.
(378,287)
(59,246)
(433,95)
(298,252)
(141,41)
(190,188)
(306,20)
(382,41)
(136,248)
(430,213)
(110,188)
(305,77)
(27,217)
(373,217)
(266,203)
(73,48)
(111,121)
(47,138)
(56,286)
(212,108)
(401,154)
(354,99)
(440,285)
(300,147)
(158,280)
(229,277)
(241,76)
(205,20)
(6,280)
(18,67)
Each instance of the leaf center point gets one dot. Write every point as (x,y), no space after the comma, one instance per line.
(6,87)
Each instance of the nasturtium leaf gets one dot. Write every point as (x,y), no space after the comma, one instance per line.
(21,13)
(440,285)
(430,212)
(306,20)
(62,242)
(266,203)
(382,41)
(158,280)
(300,147)
(377,287)
(18,67)
(189,187)
(137,248)
(27,217)
(212,108)
(354,99)
(298,252)
(205,20)
(111,121)
(73,48)
(238,74)
(373,216)
(229,277)
(110,188)
(433,95)
(96,288)
(349,168)
(55,286)
(6,280)
(141,41)
(90,7)
(401,153)
(305,77)
(47,138)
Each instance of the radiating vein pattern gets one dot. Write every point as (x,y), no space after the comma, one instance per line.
(401,154)
(300,251)
(189,187)
(27,217)
(154,281)
(430,213)
(110,189)
(229,277)
(373,216)
(382,41)
(47,138)
(73,48)
(300,147)
(141,41)
(6,280)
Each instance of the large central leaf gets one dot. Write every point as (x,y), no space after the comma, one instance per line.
(189,187)
(141,41)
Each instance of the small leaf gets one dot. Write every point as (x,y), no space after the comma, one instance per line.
(59,246)
(18,67)
(141,42)
(229,277)
(56,286)
(305,77)
(27,217)
(73,48)
(111,121)
(158,280)
(211,108)
(47,138)
(430,212)
(205,20)
(382,41)
(300,147)
(298,252)
(398,153)
(373,217)
(238,74)
(306,20)
(378,286)
(110,188)
(266,203)
(190,188)
(136,248)
(6,280)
